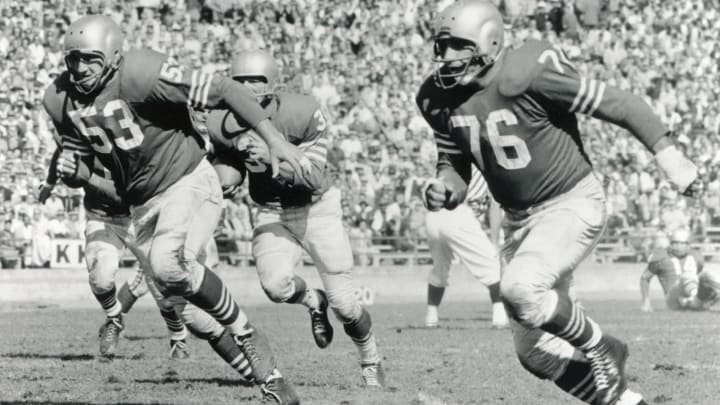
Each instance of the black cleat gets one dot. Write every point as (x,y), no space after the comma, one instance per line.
(321,329)
(109,334)
(607,360)
(276,390)
(178,349)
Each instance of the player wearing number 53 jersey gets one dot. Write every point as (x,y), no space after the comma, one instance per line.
(512,114)
(131,111)
(297,212)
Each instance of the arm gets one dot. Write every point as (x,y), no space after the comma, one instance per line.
(51,178)
(645,279)
(495,215)
(449,187)
(76,171)
(559,82)
(178,85)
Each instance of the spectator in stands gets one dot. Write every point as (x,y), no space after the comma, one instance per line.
(9,252)
(361,241)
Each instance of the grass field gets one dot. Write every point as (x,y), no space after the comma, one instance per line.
(48,356)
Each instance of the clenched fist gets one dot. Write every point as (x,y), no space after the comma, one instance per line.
(435,195)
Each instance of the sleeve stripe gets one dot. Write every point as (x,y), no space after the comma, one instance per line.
(316,156)
(449,151)
(591,93)
(445,142)
(580,93)
(321,141)
(199,89)
(441,135)
(193,87)
(206,91)
(598,99)
(477,189)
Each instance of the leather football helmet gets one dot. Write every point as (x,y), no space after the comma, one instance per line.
(474,27)
(93,35)
(259,67)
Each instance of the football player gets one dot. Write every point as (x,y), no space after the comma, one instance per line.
(458,233)
(685,283)
(298,212)
(130,109)
(107,232)
(512,114)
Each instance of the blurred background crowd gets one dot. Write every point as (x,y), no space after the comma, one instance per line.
(363,60)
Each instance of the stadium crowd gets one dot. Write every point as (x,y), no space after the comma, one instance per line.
(363,60)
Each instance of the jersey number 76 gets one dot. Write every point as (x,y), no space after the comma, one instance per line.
(501,144)
(116,121)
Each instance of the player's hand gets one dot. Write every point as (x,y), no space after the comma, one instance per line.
(694,189)
(284,151)
(44,192)
(646,307)
(435,195)
(71,167)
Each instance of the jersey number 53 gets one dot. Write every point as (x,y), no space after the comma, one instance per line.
(510,151)
(115,120)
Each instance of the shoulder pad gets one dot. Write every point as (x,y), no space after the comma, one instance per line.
(55,96)
(520,67)
(295,103)
(138,73)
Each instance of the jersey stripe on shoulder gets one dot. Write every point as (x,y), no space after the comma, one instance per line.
(199,89)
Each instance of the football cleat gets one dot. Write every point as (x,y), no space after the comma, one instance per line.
(607,360)
(431,317)
(109,334)
(276,390)
(373,375)
(321,329)
(258,353)
(178,349)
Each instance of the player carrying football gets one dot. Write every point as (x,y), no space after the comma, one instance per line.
(458,233)
(298,212)
(684,281)
(512,114)
(131,111)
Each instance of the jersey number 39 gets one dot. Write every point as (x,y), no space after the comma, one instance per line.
(116,120)
(510,151)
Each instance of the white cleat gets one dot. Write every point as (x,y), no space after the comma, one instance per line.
(431,317)
(499,316)
(631,398)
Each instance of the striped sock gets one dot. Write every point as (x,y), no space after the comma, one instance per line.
(570,323)
(126,297)
(175,325)
(226,348)
(303,295)
(361,333)
(109,303)
(578,381)
(214,298)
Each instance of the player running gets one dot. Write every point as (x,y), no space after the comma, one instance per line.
(512,114)
(458,233)
(107,233)
(131,110)
(685,283)
(297,212)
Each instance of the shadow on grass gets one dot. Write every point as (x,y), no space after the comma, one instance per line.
(59,356)
(222,382)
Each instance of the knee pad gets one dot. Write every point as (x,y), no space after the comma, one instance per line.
(102,264)
(345,305)
(278,288)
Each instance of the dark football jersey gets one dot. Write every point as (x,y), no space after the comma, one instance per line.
(521,131)
(138,125)
(299,118)
(669,268)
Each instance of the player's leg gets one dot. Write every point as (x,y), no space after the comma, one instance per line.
(132,289)
(185,218)
(550,358)
(550,243)
(101,256)
(709,287)
(277,253)
(472,246)
(328,244)
(440,271)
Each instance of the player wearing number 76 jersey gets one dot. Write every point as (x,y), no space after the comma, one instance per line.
(512,114)
(130,110)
